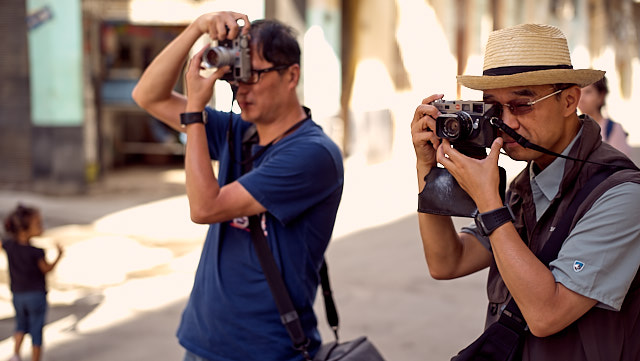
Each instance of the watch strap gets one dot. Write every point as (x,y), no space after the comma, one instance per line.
(193,117)
(488,222)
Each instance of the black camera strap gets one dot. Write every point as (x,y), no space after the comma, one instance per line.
(497,122)
(288,313)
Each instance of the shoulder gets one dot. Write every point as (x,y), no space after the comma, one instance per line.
(312,138)
(615,201)
(7,243)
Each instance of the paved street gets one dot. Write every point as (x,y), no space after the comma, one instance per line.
(131,252)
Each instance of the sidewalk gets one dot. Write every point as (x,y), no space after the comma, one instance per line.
(131,252)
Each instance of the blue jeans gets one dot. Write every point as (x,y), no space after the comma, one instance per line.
(31,310)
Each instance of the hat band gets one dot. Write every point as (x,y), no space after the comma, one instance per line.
(510,70)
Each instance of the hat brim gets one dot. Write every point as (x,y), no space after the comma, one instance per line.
(581,77)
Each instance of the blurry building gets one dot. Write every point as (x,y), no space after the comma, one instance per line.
(66,73)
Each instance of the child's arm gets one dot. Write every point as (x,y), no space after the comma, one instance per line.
(47,267)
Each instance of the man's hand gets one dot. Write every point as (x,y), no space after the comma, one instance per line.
(222,25)
(199,88)
(425,141)
(480,178)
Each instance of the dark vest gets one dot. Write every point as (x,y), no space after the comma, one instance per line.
(599,334)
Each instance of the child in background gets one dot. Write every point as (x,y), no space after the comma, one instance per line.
(27,269)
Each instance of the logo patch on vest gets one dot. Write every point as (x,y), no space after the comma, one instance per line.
(578,266)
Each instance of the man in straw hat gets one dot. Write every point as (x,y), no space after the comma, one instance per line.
(586,304)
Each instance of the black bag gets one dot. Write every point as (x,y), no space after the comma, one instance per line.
(359,349)
(503,340)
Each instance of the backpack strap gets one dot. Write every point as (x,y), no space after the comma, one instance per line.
(608,129)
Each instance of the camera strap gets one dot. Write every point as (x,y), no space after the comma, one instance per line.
(497,122)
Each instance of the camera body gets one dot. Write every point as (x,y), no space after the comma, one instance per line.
(235,53)
(467,125)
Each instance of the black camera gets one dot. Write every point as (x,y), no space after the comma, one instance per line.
(234,52)
(467,125)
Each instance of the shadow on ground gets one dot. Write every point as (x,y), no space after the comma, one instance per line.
(79,310)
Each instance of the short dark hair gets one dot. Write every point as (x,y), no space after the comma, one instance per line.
(275,41)
(19,219)
(601,86)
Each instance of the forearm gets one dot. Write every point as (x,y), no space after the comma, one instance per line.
(450,254)
(46,267)
(154,91)
(422,169)
(546,305)
(441,245)
(201,183)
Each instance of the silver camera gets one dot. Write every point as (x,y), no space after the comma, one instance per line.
(467,125)
(234,53)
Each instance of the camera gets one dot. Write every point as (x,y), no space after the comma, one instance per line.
(234,52)
(467,125)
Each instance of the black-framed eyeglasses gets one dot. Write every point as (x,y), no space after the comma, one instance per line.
(256,73)
(522,107)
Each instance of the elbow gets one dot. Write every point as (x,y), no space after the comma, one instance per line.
(198,217)
(544,327)
(540,331)
(138,96)
(439,273)
(202,215)
(440,276)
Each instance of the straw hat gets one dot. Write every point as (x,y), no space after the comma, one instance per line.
(528,54)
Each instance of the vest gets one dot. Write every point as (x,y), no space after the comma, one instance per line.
(599,335)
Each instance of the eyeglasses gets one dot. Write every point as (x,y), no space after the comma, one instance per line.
(255,74)
(522,107)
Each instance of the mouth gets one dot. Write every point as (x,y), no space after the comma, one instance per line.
(507,141)
(243,103)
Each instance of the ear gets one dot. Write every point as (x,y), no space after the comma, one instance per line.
(293,75)
(571,98)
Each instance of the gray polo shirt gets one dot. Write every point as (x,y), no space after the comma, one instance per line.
(601,255)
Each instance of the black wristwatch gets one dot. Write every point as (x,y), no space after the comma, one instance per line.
(487,222)
(193,117)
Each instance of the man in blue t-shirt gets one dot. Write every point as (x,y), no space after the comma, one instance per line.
(294,185)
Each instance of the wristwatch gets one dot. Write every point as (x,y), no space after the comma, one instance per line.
(193,117)
(487,222)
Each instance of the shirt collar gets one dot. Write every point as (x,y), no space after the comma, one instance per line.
(548,180)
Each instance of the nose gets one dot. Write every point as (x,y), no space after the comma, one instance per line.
(509,119)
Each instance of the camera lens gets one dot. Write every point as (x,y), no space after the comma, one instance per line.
(457,126)
(218,56)
(451,128)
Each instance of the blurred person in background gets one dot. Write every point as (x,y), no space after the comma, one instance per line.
(592,100)
(27,269)
(294,186)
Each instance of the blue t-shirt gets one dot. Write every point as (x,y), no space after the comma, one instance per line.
(231,314)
